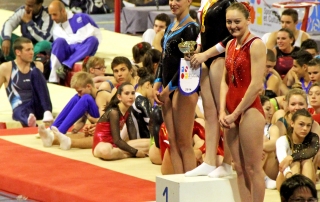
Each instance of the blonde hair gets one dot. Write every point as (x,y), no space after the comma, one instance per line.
(296,91)
(81,79)
(91,63)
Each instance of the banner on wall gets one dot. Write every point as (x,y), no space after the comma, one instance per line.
(267,17)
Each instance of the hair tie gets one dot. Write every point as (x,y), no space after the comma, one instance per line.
(250,9)
(140,46)
(246,5)
(85,60)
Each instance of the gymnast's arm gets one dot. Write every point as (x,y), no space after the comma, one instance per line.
(310,148)
(114,117)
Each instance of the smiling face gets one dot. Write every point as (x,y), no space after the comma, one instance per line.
(237,24)
(296,102)
(283,40)
(178,7)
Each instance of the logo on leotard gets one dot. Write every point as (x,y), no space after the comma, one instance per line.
(79,19)
(184,72)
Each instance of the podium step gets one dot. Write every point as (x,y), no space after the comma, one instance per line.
(178,188)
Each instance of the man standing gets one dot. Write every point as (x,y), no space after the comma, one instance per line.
(36,25)
(25,85)
(75,37)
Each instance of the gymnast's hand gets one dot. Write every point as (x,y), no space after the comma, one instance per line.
(164,95)
(222,121)
(156,96)
(141,154)
(285,163)
(89,130)
(197,59)
(230,119)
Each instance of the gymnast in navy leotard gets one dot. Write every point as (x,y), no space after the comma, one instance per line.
(178,109)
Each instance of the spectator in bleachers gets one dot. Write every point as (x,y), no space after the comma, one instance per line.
(311,46)
(35,24)
(314,70)
(161,22)
(289,20)
(272,79)
(300,69)
(75,37)
(284,49)
(25,85)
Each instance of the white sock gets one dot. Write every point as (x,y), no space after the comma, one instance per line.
(203,169)
(270,183)
(47,116)
(65,141)
(32,121)
(222,171)
(46,136)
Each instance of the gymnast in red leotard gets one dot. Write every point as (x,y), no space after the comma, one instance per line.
(107,143)
(241,113)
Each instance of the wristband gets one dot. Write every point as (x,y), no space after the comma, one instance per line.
(220,48)
(158,80)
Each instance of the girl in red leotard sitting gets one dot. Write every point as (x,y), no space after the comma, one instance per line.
(240,104)
(107,143)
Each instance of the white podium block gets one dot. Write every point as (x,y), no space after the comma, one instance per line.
(178,188)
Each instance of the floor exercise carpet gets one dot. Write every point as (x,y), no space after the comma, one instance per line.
(46,177)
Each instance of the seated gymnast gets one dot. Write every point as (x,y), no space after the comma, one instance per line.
(314,70)
(26,86)
(296,150)
(142,105)
(107,143)
(271,134)
(95,66)
(88,103)
(300,70)
(283,51)
(123,72)
(272,81)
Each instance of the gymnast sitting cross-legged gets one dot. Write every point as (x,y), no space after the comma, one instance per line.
(107,143)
